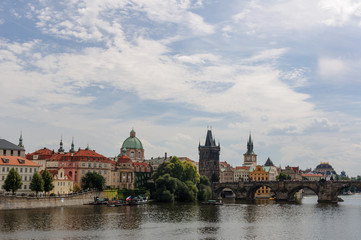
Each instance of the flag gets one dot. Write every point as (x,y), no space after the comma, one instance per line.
(128,198)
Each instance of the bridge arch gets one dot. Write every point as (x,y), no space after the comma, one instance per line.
(293,191)
(218,191)
(258,185)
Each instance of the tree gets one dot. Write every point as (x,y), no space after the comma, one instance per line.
(37,183)
(282,176)
(93,180)
(204,189)
(48,181)
(13,181)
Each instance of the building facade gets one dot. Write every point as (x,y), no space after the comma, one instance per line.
(209,158)
(250,158)
(134,148)
(23,166)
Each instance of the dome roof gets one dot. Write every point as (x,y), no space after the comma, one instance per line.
(132,142)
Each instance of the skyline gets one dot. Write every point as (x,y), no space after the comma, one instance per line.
(287,71)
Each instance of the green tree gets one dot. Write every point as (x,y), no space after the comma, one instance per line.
(37,183)
(48,181)
(13,181)
(190,173)
(282,176)
(93,180)
(204,189)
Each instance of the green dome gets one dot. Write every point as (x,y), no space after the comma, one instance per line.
(132,142)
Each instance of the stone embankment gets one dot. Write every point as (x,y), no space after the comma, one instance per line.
(20,202)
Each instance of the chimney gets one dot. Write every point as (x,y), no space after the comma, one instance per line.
(165,156)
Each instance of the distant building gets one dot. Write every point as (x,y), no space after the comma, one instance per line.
(63,184)
(250,158)
(226,172)
(294,173)
(40,157)
(77,164)
(23,166)
(325,169)
(10,149)
(125,173)
(259,173)
(209,158)
(241,174)
(134,147)
(312,176)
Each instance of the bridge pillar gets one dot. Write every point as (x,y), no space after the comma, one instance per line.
(326,193)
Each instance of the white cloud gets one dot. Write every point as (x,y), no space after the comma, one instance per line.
(332,67)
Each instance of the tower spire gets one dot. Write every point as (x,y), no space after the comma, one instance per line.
(61,149)
(72,146)
(21,140)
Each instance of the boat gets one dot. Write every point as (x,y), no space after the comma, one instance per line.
(213,202)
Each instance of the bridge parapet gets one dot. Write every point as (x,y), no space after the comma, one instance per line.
(327,191)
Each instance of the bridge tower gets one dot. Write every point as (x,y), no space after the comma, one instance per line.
(209,158)
(250,158)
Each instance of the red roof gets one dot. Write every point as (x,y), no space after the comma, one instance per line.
(124,159)
(16,161)
(81,155)
(42,154)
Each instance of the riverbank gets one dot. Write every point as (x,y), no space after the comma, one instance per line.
(20,202)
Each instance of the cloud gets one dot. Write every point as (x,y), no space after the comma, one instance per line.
(331,67)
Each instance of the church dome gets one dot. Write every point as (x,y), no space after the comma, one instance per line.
(132,142)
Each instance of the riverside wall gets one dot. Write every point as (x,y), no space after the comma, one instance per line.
(17,202)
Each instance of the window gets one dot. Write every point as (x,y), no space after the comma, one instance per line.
(26,178)
(24,186)
(3,169)
(21,169)
(3,178)
(26,170)
(83,171)
(30,169)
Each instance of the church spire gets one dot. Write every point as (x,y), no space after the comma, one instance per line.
(61,149)
(21,140)
(72,146)
(250,145)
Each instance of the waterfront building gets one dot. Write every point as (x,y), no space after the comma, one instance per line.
(23,166)
(63,184)
(134,148)
(154,162)
(226,172)
(10,149)
(273,170)
(250,158)
(294,173)
(209,158)
(259,173)
(40,157)
(77,164)
(326,170)
(312,176)
(241,173)
(124,175)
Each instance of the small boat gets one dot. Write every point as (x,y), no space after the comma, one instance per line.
(213,202)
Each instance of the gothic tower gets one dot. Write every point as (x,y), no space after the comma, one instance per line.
(250,158)
(209,158)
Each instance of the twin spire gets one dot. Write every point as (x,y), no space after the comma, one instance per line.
(61,148)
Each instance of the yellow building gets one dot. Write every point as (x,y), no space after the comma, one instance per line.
(63,184)
(259,173)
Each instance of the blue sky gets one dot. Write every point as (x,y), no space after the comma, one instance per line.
(287,71)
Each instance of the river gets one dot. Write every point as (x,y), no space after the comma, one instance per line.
(257,220)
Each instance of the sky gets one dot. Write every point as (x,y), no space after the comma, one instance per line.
(285,71)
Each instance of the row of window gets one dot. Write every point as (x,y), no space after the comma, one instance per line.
(23,178)
(64,183)
(99,171)
(19,170)
(12,152)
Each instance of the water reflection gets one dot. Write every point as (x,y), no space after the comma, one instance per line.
(261,219)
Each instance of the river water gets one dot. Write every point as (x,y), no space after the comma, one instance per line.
(256,220)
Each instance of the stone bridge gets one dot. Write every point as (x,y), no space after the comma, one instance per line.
(327,191)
